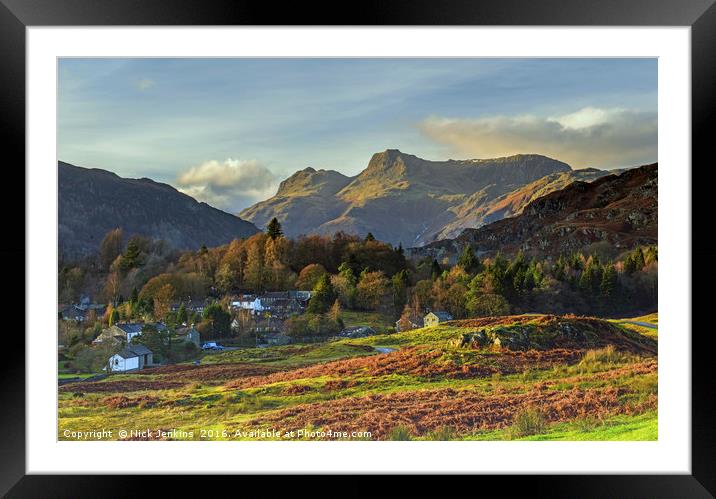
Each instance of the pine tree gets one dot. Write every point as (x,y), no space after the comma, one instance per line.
(369,237)
(468,260)
(609,281)
(435,270)
(274,228)
(130,258)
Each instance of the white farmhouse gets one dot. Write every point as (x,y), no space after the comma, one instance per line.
(132,358)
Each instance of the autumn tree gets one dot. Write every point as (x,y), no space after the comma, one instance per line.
(111,247)
(255,271)
(278,275)
(400,284)
(335,313)
(112,287)
(310,275)
(371,289)
(162,301)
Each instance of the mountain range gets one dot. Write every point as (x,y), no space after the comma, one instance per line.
(93,202)
(621,210)
(401,198)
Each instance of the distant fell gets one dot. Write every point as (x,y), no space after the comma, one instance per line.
(94,201)
(398,197)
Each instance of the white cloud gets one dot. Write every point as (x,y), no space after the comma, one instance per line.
(587,137)
(230,185)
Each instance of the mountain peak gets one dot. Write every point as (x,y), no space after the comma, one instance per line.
(310,180)
(399,197)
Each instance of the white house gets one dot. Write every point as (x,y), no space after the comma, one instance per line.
(435,318)
(131,358)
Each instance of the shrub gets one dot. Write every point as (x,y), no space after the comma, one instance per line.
(602,359)
(442,434)
(587,423)
(401,433)
(530,421)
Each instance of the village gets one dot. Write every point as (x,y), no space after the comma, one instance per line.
(257,320)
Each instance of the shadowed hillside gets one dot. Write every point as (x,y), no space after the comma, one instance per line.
(93,202)
(618,209)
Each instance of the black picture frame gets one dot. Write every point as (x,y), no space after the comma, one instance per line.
(700,15)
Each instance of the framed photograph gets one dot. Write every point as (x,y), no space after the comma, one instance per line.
(447,239)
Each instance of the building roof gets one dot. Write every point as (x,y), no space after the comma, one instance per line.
(277,302)
(136,327)
(132,351)
(442,315)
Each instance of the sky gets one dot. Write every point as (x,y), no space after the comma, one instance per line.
(227,131)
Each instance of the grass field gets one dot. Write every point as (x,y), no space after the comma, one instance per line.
(520,377)
(379,322)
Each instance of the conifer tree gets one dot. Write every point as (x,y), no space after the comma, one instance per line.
(468,260)
(274,228)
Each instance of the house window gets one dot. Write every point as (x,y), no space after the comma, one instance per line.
(116,361)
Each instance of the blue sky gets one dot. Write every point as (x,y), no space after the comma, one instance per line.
(228,130)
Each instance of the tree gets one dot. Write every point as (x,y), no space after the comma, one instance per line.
(468,260)
(218,320)
(111,247)
(113,316)
(131,257)
(182,317)
(255,272)
(278,275)
(134,297)
(112,286)
(435,270)
(400,283)
(310,275)
(369,237)
(371,288)
(335,313)
(490,304)
(159,341)
(609,282)
(162,301)
(322,296)
(274,228)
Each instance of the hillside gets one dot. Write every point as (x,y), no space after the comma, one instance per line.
(618,209)
(93,202)
(590,380)
(399,197)
(475,212)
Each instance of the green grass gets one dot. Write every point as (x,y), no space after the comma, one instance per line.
(73,375)
(622,427)
(379,322)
